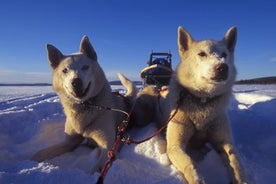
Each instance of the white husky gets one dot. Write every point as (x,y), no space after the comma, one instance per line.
(87,100)
(200,90)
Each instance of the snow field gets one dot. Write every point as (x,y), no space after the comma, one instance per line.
(31,118)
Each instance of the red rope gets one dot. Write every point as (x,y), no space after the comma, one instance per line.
(112,157)
(130,141)
(121,138)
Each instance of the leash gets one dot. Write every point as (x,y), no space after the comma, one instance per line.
(129,141)
(112,153)
(122,137)
(120,133)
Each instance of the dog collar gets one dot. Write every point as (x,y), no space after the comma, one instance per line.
(184,93)
(87,104)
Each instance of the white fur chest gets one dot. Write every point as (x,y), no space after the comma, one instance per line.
(78,121)
(202,113)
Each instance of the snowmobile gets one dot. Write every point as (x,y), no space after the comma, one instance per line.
(159,70)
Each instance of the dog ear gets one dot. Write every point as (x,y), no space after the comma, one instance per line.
(54,56)
(230,38)
(184,39)
(86,48)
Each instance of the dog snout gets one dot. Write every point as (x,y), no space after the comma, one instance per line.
(77,83)
(77,86)
(220,72)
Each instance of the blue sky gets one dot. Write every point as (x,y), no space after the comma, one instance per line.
(124,32)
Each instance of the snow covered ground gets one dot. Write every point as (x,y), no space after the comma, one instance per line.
(31,118)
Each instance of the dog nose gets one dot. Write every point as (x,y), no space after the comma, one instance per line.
(221,72)
(222,68)
(77,84)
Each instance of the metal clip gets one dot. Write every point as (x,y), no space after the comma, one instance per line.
(125,138)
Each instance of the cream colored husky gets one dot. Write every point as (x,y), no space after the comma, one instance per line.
(201,87)
(91,109)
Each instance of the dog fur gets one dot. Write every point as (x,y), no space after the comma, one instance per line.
(85,94)
(200,89)
(202,84)
(150,106)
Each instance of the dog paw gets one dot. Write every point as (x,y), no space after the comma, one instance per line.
(164,160)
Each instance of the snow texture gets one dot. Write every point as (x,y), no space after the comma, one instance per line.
(32,118)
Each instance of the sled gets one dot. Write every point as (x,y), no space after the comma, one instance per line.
(159,70)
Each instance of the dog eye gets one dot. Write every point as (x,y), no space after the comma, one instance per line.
(65,70)
(223,55)
(85,67)
(202,54)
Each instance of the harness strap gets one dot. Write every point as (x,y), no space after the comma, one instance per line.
(112,157)
(179,102)
(119,138)
(126,139)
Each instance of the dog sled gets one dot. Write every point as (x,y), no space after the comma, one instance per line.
(159,70)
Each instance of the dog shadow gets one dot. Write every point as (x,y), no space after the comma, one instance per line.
(254,135)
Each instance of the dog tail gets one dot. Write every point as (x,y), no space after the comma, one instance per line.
(129,85)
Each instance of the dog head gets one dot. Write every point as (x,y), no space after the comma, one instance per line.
(207,67)
(75,76)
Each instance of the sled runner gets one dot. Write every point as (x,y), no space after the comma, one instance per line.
(159,69)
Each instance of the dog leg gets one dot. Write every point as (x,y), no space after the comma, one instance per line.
(104,138)
(231,157)
(222,141)
(178,136)
(69,144)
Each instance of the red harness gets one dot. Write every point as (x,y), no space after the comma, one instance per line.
(122,137)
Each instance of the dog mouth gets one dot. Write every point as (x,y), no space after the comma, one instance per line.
(214,80)
(219,78)
(81,93)
(78,88)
